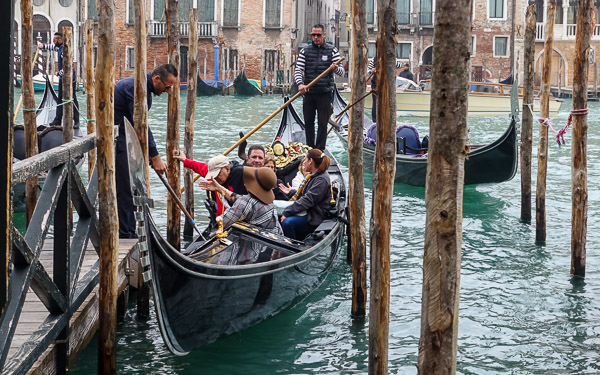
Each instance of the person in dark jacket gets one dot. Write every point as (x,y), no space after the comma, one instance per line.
(57,46)
(312,197)
(159,81)
(406,73)
(313,60)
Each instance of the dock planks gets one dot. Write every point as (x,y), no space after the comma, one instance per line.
(84,322)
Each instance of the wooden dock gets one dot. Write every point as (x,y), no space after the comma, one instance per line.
(84,322)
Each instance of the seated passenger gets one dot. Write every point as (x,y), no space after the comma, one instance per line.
(254,208)
(226,173)
(313,197)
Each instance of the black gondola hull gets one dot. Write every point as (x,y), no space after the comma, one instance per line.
(243,87)
(210,88)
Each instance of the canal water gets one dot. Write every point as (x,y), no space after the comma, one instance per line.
(520,310)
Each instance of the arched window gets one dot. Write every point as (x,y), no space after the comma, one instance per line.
(38,3)
(63,23)
(65,3)
(41,28)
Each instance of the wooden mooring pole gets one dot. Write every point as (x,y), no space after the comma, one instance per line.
(89,90)
(383,186)
(357,235)
(527,116)
(140,119)
(67,83)
(579,189)
(29,118)
(540,190)
(107,197)
(190,108)
(6,154)
(173,211)
(448,148)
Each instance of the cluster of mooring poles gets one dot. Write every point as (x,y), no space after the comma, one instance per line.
(445,171)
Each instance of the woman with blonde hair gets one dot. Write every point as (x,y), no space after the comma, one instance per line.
(312,196)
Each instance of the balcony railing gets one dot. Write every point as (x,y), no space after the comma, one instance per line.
(569,32)
(158,29)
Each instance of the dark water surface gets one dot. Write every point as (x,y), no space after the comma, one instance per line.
(520,310)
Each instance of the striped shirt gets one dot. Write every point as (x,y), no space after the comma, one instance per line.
(252,211)
(372,66)
(301,63)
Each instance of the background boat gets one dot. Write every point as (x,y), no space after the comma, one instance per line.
(246,87)
(208,87)
(491,163)
(39,82)
(222,286)
(485,99)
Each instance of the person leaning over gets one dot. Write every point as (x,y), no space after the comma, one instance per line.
(254,208)
(159,81)
(313,60)
(313,196)
(220,169)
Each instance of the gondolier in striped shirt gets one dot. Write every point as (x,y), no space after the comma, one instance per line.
(313,60)
(57,46)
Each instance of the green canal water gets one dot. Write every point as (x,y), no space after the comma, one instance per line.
(520,310)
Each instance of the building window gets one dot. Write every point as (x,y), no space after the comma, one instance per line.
(403,51)
(272,13)
(92,11)
(370,12)
(130,12)
(372,49)
(38,3)
(231,13)
(66,3)
(66,23)
(571,14)
(426,12)
(496,8)
(129,58)
(473,45)
(500,46)
(206,10)
(403,12)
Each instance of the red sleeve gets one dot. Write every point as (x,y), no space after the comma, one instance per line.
(196,166)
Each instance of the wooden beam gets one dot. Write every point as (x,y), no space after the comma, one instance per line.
(579,188)
(527,120)
(190,108)
(107,197)
(140,119)
(173,212)
(357,233)
(448,149)
(29,117)
(540,189)
(383,188)
(89,89)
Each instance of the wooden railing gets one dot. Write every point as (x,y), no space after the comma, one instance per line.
(158,29)
(66,290)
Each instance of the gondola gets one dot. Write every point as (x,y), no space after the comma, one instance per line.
(245,87)
(492,163)
(48,137)
(208,87)
(220,286)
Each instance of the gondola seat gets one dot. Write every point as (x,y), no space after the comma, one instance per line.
(371,136)
(411,142)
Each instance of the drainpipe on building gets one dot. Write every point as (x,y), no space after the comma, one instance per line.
(216,61)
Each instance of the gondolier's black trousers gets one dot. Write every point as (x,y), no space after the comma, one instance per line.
(320,103)
(59,110)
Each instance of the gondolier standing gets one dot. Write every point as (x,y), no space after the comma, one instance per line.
(57,45)
(313,60)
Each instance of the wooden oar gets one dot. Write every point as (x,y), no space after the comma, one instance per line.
(348,106)
(272,115)
(178,201)
(37,50)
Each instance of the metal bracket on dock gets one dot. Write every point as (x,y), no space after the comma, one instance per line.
(147,276)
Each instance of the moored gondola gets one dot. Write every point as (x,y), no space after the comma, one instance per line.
(208,87)
(245,87)
(222,285)
(491,163)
